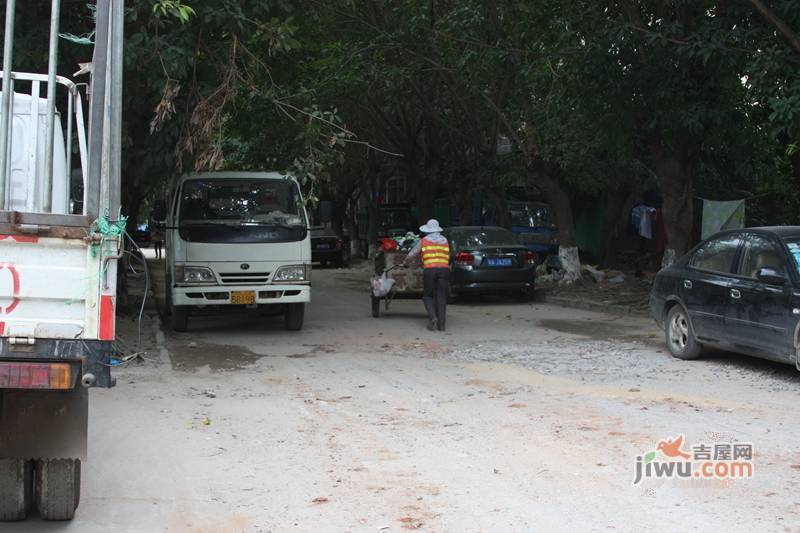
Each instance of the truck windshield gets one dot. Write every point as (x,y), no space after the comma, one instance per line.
(396,220)
(241,210)
(529,215)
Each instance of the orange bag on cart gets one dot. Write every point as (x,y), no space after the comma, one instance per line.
(388,245)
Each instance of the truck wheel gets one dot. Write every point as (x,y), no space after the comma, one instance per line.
(294,316)
(16,484)
(376,306)
(58,488)
(180,317)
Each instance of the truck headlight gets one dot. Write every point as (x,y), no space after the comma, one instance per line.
(191,274)
(293,273)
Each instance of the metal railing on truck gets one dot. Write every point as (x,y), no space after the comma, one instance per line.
(99,154)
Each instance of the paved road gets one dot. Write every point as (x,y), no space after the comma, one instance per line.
(522,417)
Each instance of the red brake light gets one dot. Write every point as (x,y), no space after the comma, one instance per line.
(36,376)
(464,258)
(529,258)
(339,243)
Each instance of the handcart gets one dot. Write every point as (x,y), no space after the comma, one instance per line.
(394,280)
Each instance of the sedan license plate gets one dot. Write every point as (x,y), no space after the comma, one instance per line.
(322,246)
(243,297)
(499,262)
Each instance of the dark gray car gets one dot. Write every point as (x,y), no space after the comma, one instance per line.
(739,290)
(489,259)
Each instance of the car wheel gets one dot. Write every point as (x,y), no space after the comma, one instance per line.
(525,295)
(680,335)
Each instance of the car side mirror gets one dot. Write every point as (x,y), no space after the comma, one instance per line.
(771,276)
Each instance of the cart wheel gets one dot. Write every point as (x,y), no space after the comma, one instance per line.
(376,306)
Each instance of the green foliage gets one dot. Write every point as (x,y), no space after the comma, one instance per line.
(173,8)
(349,94)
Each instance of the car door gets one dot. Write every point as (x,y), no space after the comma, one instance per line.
(705,286)
(759,315)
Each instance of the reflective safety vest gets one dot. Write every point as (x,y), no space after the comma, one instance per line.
(435,255)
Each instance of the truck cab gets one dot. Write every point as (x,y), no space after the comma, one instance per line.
(237,239)
(533,222)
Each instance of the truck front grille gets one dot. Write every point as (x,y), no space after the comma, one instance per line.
(243,278)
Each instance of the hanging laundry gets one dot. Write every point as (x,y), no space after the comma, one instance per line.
(642,218)
(718,216)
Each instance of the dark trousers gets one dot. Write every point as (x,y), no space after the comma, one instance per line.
(436,283)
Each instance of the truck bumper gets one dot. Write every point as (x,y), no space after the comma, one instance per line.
(220,295)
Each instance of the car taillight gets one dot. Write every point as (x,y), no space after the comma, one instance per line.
(339,243)
(529,258)
(464,258)
(36,376)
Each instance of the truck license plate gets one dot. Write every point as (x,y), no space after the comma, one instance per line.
(243,297)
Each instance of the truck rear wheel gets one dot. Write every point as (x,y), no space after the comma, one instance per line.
(180,317)
(16,489)
(294,316)
(58,488)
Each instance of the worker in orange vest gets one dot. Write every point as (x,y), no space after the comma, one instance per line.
(434,251)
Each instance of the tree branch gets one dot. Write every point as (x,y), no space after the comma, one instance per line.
(788,34)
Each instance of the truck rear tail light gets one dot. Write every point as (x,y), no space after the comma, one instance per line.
(464,259)
(530,258)
(36,376)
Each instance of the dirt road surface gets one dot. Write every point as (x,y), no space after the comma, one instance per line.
(522,417)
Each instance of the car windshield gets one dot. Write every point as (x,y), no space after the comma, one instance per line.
(242,201)
(470,238)
(794,248)
(529,215)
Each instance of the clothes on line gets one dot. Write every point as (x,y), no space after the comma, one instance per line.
(643,220)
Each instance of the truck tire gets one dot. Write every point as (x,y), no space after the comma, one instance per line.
(180,317)
(16,489)
(295,313)
(58,488)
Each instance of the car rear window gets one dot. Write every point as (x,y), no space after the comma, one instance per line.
(483,237)
(794,249)
(717,254)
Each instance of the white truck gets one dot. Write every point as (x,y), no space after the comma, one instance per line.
(237,239)
(58,266)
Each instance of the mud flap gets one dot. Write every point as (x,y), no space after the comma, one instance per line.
(44,424)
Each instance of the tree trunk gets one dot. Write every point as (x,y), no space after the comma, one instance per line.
(499,201)
(561,206)
(618,203)
(676,180)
